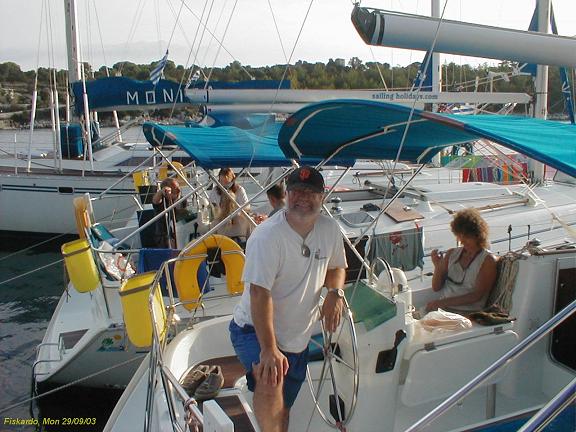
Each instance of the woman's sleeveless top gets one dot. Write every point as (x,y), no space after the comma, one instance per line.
(461,281)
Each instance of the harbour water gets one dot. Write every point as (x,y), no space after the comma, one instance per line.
(26,306)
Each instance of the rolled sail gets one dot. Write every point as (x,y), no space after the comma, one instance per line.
(393,29)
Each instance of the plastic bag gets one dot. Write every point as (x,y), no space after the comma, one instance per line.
(116,264)
(441,320)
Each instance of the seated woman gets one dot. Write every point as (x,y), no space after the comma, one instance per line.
(464,275)
(227,178)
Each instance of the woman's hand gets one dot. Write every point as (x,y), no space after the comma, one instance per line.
(259,218)
(440,261)
(437,257)
(433,305)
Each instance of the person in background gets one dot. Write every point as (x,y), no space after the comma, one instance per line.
(277,198)
(167,194)
(464,275)
(238,228)
(289,258)
(227,179)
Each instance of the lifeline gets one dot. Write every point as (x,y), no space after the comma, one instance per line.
(20,421)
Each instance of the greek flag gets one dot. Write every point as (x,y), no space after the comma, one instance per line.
(192,78)
(156,73)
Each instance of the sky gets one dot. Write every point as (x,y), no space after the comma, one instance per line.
(259,32)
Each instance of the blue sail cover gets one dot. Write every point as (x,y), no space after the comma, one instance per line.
(374,130)
(227,146)
(120,93)
(242,85)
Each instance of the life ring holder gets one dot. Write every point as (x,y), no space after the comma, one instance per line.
(186,268)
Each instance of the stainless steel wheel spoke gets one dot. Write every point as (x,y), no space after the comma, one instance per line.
(331,342)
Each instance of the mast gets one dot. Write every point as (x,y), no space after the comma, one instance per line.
(436,72)
(75,69)
(72,41)
(436,67)
(541,81)
(541,84)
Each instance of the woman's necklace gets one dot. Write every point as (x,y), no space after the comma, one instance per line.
(471,259)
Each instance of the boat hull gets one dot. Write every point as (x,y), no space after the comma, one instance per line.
(42,204)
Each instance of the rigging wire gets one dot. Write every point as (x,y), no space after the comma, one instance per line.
(214,36)
(378,68)
(203,61)
(177,22)
(88,26)
(73,383)
(193,64)
(101,40)
(158,29)
(220,46)
(43,11)
(132,30)
(283,75)
(406,127)
(277,30)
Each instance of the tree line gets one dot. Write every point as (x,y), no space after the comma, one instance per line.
(16,86)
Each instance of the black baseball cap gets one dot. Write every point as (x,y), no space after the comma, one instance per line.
(306,176)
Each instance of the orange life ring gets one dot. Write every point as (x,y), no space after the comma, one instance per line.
(186,271)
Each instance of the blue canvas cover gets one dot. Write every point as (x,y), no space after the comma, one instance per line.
(374,130)
(120,93)
(242,85)
(227,146)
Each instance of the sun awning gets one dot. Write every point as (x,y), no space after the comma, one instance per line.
(374,130)
(228,146)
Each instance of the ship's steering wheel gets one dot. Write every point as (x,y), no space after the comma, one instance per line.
(338,377)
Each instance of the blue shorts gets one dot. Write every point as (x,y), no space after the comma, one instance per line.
(247,349)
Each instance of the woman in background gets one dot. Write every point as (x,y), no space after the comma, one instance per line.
(238,228)
(227,179)
(464,275)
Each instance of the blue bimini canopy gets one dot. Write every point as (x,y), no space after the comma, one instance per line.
(374,130)
(227,146)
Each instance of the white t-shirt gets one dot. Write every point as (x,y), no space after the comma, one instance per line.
(274,261)
(241,197)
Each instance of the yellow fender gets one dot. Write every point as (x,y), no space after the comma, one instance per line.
(134,296)
(80,265)
(186,271)
(140,178)
(165,170)
(82,216)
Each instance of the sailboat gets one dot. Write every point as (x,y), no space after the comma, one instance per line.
(388,371)
(83,162)
(383,370)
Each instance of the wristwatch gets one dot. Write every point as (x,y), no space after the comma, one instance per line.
(338,291)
